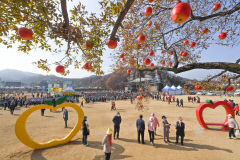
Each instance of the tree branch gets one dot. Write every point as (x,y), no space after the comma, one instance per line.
(65,13)
(120,19)
(231,67)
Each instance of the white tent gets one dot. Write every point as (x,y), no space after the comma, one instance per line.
(179,87)
(174,88)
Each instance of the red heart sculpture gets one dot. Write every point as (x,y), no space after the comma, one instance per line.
(201,107)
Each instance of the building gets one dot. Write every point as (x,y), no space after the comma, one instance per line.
(13,84)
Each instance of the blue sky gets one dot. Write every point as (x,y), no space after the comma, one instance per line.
(12,59)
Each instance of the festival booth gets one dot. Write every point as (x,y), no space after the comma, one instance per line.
(68,91)
(173,90)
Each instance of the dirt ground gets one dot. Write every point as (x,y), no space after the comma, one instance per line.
(199,143)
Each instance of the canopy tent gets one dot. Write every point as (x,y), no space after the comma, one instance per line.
(68,91)
(179,87)
(166,88)
(174,88)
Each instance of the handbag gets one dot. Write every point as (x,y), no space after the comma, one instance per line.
(88,132)
(237,132)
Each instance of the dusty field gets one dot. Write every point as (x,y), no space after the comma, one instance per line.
(199,143)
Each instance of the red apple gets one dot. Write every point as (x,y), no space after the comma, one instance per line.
(112,44)
(123,59)
(193,44)
(141,38)
(151,53)
(163,63)
(184,54)
(205,31)
(152,65)
(60,69)
(149,23)
(181,12)
(222,35)
(129,71)
(148,11)
(26,34)
(147,61)
(185,42)
(229,88)
(162,51)
(150,1)
(171,53)
(88,45)
(216,7)
(87,66)
(170,64)
(122,55)
(180,53)
(165,44)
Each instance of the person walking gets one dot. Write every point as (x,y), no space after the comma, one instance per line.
(236,108)
(181,102)
(140,128)
(85,131)
(107,144)
(65,117)
(177,102)
(151,130)
(180,127)
(232,124)
(156,123)
(117,121)
(42,112)
(166,129)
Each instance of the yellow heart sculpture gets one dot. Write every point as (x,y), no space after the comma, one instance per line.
(22,135)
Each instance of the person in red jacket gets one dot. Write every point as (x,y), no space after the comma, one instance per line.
(237,109)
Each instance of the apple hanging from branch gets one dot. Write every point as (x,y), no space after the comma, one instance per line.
(60,69)
(112,44)
(26,34)
(181,12)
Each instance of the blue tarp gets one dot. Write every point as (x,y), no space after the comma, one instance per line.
(69,89)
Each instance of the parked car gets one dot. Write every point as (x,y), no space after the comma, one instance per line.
(200,93)
(210,93)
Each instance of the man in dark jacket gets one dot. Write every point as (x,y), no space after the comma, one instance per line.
(180,126)
(117,121)
(65,117)
(140,128)
(85,131)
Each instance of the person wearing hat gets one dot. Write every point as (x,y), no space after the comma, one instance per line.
(85,131)
(151,130)
(107,144)
(166,129)
(180,126)
(232,124)
(117,121)
(140,128)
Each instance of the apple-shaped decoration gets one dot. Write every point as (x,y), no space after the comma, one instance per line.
(149,23)
(112,44)
(193,44)
(26,34)
(122,55)
(171,53)
(60,69)
(151,53)
(88,45)
(141,38)
(138,46)
(152,65)
(184,54)
(163,63)
(198,87)
(181,12)
(216,7)
(222,35)
(205,31)
(87,66)
(147,61)
(148,11)
(129,71)
(162,51)
(229,88)
(170,64)
(185,42)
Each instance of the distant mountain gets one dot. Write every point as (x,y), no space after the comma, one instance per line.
(104,81)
